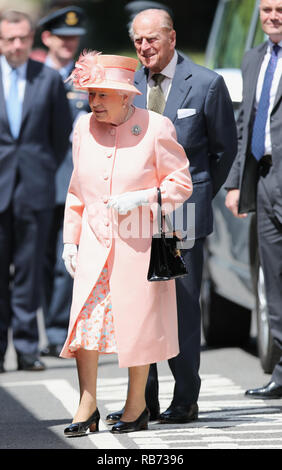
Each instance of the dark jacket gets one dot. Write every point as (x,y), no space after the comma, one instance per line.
(42,143)
(208,135)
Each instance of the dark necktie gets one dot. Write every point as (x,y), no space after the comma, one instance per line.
(14,106)
(156,101)
(258,137)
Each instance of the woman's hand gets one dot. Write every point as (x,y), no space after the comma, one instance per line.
(69,256)
(127,201)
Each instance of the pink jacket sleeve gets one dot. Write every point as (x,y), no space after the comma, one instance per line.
(172,167)
(74,204)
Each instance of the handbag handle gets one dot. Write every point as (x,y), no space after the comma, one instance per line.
(161,217)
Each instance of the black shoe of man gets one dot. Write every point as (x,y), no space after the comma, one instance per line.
(269,391)
(179,414)
(30,362)
(53,350)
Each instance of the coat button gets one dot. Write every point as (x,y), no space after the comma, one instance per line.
(108,243)
(113,132)
(109,155)
(106,222)
(105,199)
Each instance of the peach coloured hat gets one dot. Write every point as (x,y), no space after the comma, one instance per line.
(95,70)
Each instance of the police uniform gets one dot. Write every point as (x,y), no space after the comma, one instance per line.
(57,288)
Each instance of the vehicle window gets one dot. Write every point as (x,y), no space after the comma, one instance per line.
(232,34)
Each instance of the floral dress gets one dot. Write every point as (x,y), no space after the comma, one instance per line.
(94,328)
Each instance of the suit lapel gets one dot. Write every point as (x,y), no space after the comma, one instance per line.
(252,77)
(30,89)
(3,109)
(180,88)
(140,82)
(178,92)
(278,96)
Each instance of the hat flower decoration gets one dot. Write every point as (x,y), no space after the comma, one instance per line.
(87,70)
(96,70)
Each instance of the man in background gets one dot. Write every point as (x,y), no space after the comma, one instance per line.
(255,180)
(62,32)
(198,103)
(35,124)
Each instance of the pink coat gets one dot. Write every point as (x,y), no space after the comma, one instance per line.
(110,160)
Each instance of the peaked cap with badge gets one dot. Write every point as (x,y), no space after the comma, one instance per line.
(65,22)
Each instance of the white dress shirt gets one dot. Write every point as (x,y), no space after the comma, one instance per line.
(274,87)
(6,78)
(168,72)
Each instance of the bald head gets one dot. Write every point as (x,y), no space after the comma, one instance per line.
(154,38)
(162,17)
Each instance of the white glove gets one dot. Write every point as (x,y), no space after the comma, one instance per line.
(69,256)
(127,201)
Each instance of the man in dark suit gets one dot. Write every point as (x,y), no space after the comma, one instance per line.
(61,33)
(35,124)
(255,179)
(197,102)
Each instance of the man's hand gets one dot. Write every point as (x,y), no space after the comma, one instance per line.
(232,201)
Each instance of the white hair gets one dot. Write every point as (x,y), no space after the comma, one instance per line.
(129,94)
(167,22)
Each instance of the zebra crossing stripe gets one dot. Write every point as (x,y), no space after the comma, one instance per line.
(223,422)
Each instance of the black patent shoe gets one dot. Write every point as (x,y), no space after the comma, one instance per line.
(269,391)
(81,428)
(140,424)
(114,417)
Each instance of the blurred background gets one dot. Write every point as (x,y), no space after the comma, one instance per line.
(107,23)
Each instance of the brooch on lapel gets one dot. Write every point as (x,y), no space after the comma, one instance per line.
(136,130)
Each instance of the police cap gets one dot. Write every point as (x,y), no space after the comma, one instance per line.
(65,22)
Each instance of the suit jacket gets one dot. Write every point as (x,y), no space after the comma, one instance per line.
(208,133)
(244,171)
(42,143)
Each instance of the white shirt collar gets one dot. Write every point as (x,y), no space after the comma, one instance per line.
(169,69)
(6,68)
(270,44)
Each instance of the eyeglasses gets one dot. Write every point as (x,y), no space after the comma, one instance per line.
(22,39)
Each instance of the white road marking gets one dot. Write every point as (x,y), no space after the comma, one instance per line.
(223,422)
(69,397)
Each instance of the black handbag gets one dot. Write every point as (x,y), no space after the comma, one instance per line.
(166,262)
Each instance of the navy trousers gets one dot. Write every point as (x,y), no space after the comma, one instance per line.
(185,366)
(23,237)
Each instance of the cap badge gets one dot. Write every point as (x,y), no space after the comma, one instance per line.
(71,18)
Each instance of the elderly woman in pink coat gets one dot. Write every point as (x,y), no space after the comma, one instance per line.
(121,155)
